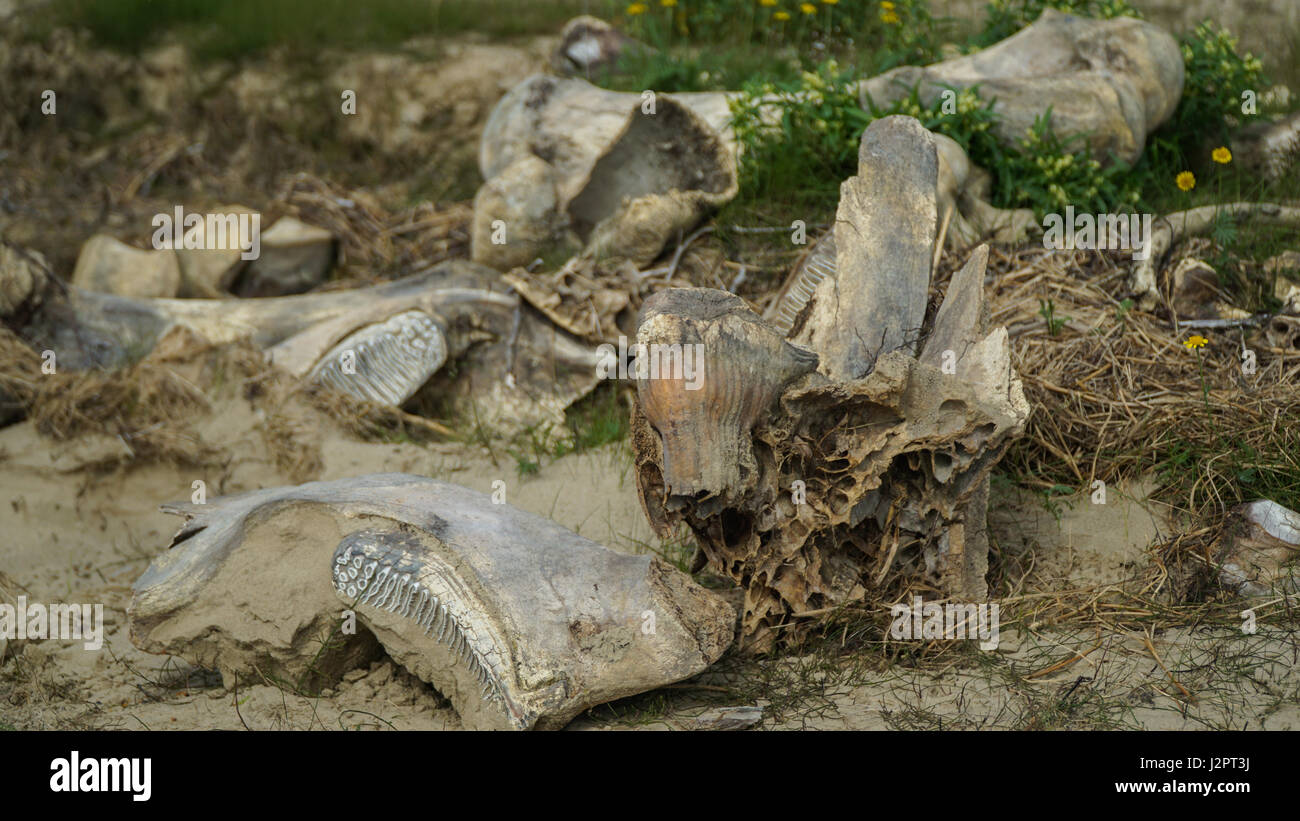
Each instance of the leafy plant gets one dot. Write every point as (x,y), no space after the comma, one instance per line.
(1004,18)
(1047,310)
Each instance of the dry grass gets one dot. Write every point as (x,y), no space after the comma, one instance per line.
(1117,395)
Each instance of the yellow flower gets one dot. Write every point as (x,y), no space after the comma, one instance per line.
(1222,155)
(636,8)
(829,2)
(667,3)
(1186,181)
(889,17)
(1195,341)
(807,8)
(887,6)
(768,3)
(781,15)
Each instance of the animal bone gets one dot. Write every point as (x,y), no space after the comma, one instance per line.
(848,324)
(1114,80)
(1283,332)
(1177,226)
(628,174)
(518,621)
(706,450)
(1257,549)
(519,370)
(874,466)
(961,200)
(1269,148)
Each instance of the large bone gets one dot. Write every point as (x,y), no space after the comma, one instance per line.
(1113,80)
(518,621)
(873,468)
(624,173)
(876,302)
(381,343)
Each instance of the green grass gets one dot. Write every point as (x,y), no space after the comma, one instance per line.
(240,28)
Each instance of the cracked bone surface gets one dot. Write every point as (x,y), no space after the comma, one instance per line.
(520,622)
(964,217)
(875,465)
(382,343)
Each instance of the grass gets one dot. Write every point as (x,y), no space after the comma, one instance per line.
(241,28)
(596,420)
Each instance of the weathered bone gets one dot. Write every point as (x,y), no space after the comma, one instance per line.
(876,301)
(627,177)
(518,621)
(1113,80)
(523,371)
(1269,148)
(1177,226)
(742,368)
(1258,550)
(877,464)
(961,207)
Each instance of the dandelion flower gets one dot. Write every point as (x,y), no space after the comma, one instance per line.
(1186,181)
(768,3)
(781,15)
(887,6)
(636,8)
(1222,155)
(829,2)
(1195,341)
(807,8)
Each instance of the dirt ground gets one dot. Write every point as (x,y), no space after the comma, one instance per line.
(82,522)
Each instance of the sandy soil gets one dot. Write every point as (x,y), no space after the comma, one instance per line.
(82,522)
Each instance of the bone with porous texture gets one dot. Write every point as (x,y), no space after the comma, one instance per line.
(518,621)
(872,468)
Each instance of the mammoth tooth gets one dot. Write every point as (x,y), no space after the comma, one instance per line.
(801,286)
(707,368)
(385,362)
(518,621)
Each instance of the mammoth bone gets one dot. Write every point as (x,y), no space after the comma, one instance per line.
(381,343)
(812,468)
(518,621)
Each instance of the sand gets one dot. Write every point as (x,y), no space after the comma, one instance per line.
(81,522)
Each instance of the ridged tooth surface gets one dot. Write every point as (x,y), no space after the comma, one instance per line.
(392,359)
(819,265)
(403,579)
